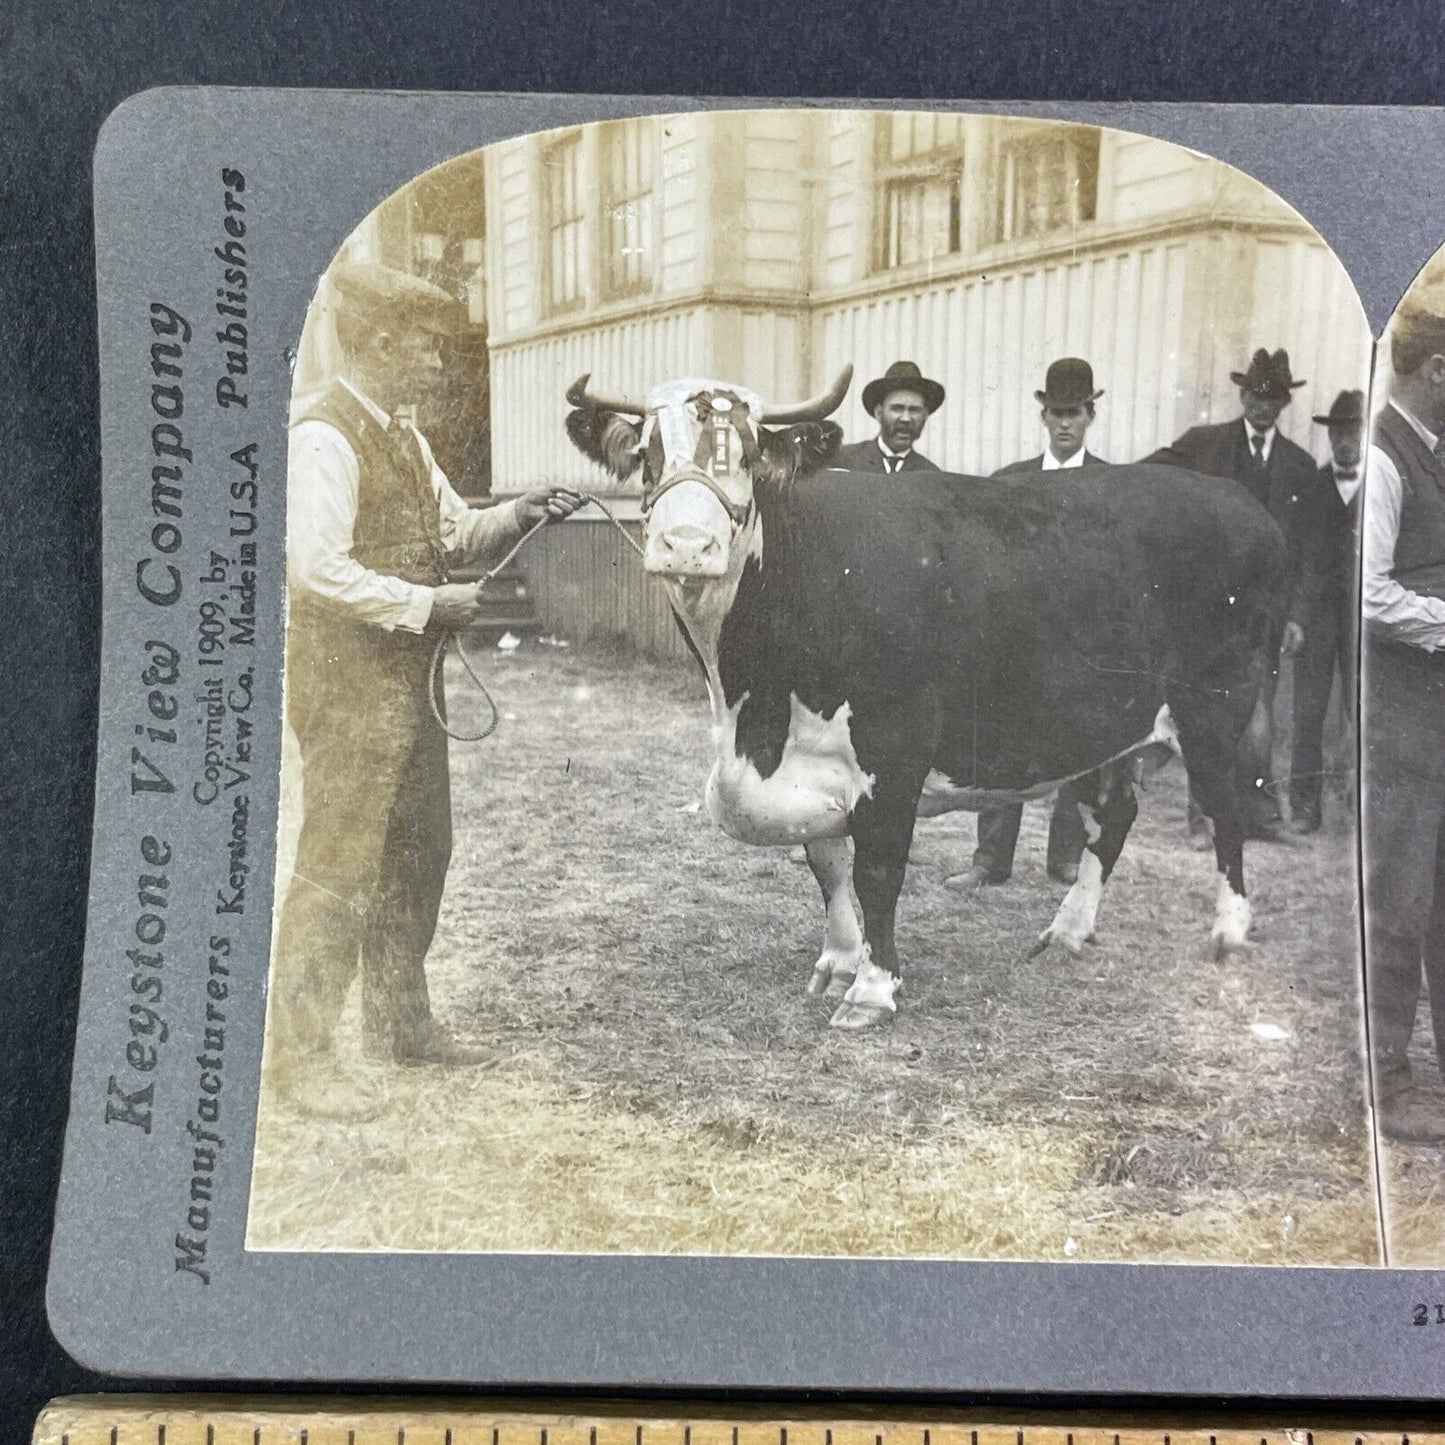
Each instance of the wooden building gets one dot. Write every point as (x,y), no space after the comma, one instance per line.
(771,247)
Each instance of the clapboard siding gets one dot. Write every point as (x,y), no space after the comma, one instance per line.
(682,204)
(766,275)
(1148,179)
(588,586)
(844,164)
(513,279)
(773,217)
(1328,338)
(529,382)
(989,339)
(529,386)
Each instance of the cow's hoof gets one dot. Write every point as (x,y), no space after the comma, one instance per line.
(827,984)
(967,883)
(858,1015)
(868,997)
(832,977)
(1071,943)
(1232,923)
(1222,946)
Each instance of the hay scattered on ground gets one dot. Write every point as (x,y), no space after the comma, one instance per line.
(666,1085)
(1414,1176)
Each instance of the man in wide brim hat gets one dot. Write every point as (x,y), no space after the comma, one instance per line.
(1251,450)
(1329,518)
(902,376)
(1268,376)
(900,401)
(1347,409)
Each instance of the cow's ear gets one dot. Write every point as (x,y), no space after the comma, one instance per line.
(607,439)
(791,451)
(816,443)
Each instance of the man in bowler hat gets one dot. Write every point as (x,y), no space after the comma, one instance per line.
(1403,717)
(900,401)
(372,527)
(1067,411)
(1330,513)
(1278,474)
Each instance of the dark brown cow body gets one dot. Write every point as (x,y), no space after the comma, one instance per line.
(945,642)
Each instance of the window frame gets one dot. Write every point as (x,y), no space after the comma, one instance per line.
(1078,161)
(636,139)
(572,226)
(894,178)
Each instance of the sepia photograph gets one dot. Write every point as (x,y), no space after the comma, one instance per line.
(820,699)
(1403,708)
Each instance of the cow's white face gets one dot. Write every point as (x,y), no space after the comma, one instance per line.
(702,447)
(699,443)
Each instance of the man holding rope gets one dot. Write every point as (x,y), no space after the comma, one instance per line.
(372,526)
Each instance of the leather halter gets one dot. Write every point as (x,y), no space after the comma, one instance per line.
(738,511)
(734,414)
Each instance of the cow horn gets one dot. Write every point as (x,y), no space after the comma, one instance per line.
(816,407)
(581,395)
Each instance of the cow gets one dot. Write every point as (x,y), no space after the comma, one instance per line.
(876,651)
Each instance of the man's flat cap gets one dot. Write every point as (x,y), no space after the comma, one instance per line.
(388,297)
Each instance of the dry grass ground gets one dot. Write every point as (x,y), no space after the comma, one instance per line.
(1414,1178)
(666,1085)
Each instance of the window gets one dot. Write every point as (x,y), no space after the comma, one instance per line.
(627,185)
(1049,182)
(566,254)
(919,188)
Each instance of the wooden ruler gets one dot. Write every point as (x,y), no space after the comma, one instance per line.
(229,1420)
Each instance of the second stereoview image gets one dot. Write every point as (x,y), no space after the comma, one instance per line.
(912,803)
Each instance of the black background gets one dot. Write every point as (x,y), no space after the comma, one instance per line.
(63,67)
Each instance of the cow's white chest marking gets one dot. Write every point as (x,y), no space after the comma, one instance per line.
(809,795)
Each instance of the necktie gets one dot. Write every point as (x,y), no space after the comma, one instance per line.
(1257,442)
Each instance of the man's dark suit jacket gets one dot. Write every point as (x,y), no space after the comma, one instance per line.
(1036,464)
(1288,479)
(865,457)
(1331,537)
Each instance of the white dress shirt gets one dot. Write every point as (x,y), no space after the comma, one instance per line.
(322,490)
(1347,484)
(1268,436)
(890,457)
(1391,609)
(1053,464)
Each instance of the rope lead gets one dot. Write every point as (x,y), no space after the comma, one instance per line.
(436,685)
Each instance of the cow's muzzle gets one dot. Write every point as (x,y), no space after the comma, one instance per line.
(690,523)
(686,551)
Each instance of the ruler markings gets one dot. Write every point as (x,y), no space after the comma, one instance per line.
(177,1421)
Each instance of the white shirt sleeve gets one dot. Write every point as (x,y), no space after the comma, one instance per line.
(321,501)
(472,534)
(1391,609)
